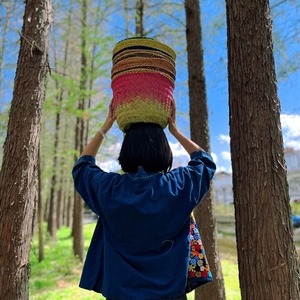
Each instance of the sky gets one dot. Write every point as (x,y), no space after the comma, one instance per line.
(286,46)
(287,26)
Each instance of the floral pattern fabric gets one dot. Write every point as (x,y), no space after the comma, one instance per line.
(198,270)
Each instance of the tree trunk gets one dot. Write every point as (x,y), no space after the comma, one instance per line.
(125,3)
(204,213)
(268,261)
(59,212)
(18,185)
(53,207)
(139,14)
(77,230)
(40,212)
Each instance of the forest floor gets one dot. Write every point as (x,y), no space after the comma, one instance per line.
(57,276)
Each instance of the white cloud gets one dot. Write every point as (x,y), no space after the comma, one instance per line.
(221,169)
(114,148)
(180,156)
(110,165)
(226,155)
(291,130)
(224,139)
(214,156)
(178,150)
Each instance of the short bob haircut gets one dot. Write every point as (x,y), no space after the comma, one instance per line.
(146,145)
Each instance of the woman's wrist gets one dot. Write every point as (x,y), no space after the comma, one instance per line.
(103,132)
(175,132)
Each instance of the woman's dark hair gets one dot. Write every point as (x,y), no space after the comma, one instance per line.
(146,145)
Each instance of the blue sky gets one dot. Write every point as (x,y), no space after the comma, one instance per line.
(286,26)
(287,47)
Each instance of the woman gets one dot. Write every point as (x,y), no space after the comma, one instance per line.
(140,247)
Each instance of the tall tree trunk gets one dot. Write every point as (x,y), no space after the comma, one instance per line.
(268,261)
(204,213)
(125,3)
(77,230)
(139,15)
(18,185)
(40,212)
(54,205)
(52,217)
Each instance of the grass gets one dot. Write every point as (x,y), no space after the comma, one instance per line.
(57,276)
(295,207)
(231,281)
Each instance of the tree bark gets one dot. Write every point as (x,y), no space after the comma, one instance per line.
(139,18)
(268,261)
(204,213)
(18,184)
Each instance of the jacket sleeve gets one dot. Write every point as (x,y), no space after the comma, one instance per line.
(193,181)
(83,174)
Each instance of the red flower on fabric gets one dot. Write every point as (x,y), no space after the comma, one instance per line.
(204,274)
(191,274)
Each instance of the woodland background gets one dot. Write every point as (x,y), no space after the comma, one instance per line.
(78,84)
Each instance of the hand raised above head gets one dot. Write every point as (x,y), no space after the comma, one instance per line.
(172,119)
(111,117)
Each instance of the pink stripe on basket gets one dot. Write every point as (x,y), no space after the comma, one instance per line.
(149,86)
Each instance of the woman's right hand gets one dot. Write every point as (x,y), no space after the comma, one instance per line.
(185,142)
(172,120)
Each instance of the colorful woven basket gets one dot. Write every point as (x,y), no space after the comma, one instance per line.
(143,76)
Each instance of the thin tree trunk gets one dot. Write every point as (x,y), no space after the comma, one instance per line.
(268,260)
(126,18)
(40,212)
(69,217)
(18,185)
(139,18)
(54,220)
(204,213)
(59,212)
(77,230)
(52,217)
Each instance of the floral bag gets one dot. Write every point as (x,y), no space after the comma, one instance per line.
(198,270)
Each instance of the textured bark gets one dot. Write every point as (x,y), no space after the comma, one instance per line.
(204,213)
(268,261)
(18,184)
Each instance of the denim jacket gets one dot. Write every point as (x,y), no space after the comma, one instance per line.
(140,246)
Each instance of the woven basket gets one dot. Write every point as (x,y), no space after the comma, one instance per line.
(143,76)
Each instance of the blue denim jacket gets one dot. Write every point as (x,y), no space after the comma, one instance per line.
(140,246)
